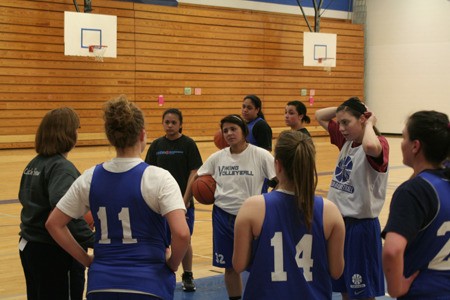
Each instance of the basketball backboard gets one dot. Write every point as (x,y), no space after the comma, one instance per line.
(82,31)
(319,49)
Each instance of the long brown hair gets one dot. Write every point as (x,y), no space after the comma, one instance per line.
(57,133)
(297,154)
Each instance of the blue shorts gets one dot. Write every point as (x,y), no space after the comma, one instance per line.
(363,272)
(190,219)
(223,238)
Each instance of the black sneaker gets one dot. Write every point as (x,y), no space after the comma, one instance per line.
(188,282)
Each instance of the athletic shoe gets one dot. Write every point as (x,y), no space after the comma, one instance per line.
(188,282)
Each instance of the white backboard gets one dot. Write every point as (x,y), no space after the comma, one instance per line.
(82,30)
(319,49)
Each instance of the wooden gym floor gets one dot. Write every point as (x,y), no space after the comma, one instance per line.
(12,163)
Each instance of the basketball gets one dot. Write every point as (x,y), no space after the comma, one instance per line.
(89,219)
(204,188)
(219,141)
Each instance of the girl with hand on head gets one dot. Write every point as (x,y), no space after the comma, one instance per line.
(50,272)
(417,233)
(290,240)
(358,188)
(131,203)
(178,154)
(239,172)
(295,116)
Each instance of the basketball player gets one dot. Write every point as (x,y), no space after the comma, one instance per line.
(131,203)
(239,172)
(178,154)
(417,234)
(290,240)
(259,132)
(358,188)
(295,115)
(50,272)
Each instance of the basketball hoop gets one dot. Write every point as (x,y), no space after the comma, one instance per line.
(98,51)
(326,63)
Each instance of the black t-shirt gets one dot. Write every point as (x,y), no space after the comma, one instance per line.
(263,135)
(179,157)
(414,205)
(305,131)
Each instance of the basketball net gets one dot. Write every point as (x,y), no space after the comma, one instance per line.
(326,64)
(98,51)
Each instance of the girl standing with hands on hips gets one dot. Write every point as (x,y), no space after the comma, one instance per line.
(358,188)
(290,239)
(50,272)
(178,154)
(131,203)
(417,234)
(239,172)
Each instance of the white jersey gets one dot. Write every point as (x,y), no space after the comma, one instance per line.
(159,189)
(357,188)
(238,176)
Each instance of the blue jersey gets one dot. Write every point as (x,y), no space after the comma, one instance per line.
(250,137)
(287,260)
(429,252)
(130,244)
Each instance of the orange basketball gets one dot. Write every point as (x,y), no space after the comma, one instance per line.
(204,188)
(219,141)
(89,219)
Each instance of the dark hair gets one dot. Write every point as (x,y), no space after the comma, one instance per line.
(57,132)
(296,152)
(356,108)
(235,119)
(301,110)
(175,111)
(257,103)
(431,128)
(124,122)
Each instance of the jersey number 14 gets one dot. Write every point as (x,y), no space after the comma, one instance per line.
(303,257)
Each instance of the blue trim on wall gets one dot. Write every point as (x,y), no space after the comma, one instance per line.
(341,5)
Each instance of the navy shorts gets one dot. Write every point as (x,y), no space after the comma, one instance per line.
(190,218)
(223,238)
(363,272)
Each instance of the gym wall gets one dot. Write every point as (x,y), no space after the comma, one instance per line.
(225,52)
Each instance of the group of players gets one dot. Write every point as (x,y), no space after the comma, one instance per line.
(295,244)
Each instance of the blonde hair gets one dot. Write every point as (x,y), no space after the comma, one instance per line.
(124,122)
(296,153)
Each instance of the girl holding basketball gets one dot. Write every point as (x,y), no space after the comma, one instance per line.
(239,172)
(273,230)
(178,154)
(131,203)
(358,188)
(295,116)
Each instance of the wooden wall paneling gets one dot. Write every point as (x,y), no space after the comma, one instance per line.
(228,53)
